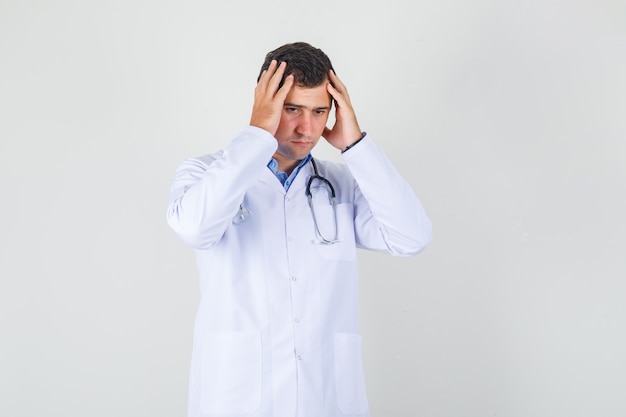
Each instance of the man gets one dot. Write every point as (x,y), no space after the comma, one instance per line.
(275,234)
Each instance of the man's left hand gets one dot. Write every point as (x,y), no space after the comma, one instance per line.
(346,130)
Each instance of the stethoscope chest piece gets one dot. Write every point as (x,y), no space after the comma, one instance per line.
(242,215)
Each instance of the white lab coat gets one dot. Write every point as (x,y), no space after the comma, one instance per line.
(276,332)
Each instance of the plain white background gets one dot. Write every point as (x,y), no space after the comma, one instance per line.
(506,117)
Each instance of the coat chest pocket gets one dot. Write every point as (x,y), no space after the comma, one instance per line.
(231,373)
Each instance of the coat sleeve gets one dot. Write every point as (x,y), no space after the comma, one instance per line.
(207,191)
(388,215)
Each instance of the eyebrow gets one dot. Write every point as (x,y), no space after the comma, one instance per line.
(300,106)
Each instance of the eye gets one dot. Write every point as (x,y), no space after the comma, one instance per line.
(292,109)
(319,112)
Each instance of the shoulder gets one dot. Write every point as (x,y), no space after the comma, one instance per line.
(201,162)
(334,171)
(194,168)
(337,173)
(331,167)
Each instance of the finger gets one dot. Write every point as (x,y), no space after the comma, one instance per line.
(336,82)
(259,90)
(281,94)
(339,98)
(266,75)
(277,76)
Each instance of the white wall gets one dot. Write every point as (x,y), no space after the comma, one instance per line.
(507,118)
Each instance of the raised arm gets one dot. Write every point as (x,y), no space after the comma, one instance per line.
(207,191)
(389,217)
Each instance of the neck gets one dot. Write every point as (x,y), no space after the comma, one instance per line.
(286,165)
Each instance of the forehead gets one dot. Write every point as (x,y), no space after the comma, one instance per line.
(312,97)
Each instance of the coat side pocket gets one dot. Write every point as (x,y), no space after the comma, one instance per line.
(349,378)
(231,371)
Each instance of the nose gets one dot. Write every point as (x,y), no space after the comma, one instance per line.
(305,124)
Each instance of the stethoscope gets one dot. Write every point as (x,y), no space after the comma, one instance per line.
(315,181)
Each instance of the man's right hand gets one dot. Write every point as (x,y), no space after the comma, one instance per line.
(269,99)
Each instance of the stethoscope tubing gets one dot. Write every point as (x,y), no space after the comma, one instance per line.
(243,213)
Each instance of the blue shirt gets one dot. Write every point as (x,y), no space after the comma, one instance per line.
(282,176)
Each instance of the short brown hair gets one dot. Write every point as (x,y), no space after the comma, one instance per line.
(308,64)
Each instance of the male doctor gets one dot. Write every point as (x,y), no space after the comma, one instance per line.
(275,233)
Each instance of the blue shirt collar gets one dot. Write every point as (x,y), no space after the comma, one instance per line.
(287,180)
